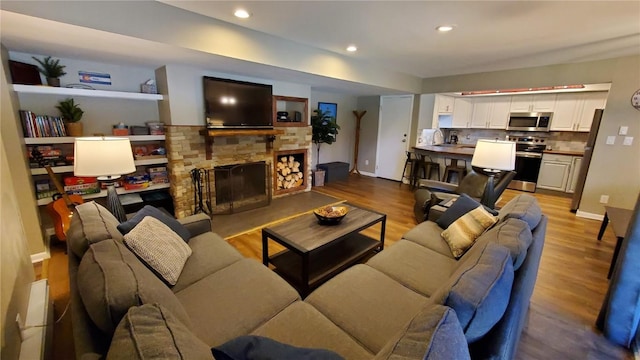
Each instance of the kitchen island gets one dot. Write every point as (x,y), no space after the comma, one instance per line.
(445,154)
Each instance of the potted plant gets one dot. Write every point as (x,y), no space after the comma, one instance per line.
(71,114)
(324,130)
(51,69)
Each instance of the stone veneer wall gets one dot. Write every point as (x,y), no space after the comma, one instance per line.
(186,151)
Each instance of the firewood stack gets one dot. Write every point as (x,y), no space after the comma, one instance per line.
(289,173)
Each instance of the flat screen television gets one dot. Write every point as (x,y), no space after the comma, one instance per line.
(231,104)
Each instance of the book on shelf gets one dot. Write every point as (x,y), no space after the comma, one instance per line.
(34,125)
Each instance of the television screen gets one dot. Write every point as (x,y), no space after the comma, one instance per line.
(237,104)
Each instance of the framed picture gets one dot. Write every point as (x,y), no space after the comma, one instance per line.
(330,108)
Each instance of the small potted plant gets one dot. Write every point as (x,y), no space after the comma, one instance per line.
(51,69)
(71,114)
(324,130)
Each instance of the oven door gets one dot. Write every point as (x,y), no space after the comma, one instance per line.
(527,169)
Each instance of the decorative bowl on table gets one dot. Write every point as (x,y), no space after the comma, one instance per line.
(330,215)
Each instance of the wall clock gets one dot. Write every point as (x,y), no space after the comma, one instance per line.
(635,99)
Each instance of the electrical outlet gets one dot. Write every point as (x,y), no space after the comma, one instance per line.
(611,140)
(366,162)
(604,199)
(628,140)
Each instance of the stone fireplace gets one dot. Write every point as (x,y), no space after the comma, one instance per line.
(186,150)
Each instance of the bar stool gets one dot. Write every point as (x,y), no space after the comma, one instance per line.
(413,161)
(454,169)
(430,166)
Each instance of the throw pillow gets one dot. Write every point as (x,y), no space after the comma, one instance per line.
(463,232)
(259,348)
(151,331)
(149,210)
(481,293)
(159,247)
(463,204)
(433,334)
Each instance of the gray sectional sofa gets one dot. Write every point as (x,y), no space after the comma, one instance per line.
(412,300)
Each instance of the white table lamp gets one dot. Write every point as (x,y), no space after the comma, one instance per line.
(106,158)
(492,157)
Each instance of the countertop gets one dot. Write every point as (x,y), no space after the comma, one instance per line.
(565,152)
(447,149)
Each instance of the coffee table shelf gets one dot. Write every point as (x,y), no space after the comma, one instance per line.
(327,262)
(314,252)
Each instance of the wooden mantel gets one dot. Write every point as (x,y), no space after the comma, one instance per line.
(210,134)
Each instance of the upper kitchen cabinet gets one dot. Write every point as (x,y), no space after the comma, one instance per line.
(574,111)
(462,114)
(444,104)
(490,112)
(533,103)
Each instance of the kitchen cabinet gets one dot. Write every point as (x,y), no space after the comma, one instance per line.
(574,111)
(445,104)
(554,172)
(576,163)
(463,108)
(490,112)
(533,103)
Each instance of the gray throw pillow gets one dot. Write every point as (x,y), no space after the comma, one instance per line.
(524,207)
(151,331)
(149,210)
(481,294)
(433,334)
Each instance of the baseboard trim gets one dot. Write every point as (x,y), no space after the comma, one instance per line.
(35,258)
(587,215)
(367,174)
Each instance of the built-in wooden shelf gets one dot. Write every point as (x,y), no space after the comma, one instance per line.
(49,90)
(210,134)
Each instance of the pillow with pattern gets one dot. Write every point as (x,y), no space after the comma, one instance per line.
(159,247)
(463,232)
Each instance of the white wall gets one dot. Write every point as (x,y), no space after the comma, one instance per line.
(16,270)
(342,150)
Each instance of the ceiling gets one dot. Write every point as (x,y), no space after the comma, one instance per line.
(393,36)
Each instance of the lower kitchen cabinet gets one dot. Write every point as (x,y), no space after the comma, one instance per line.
(554,172)
(559,172)
(576,163)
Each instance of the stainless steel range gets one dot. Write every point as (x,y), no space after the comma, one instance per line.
(528,160)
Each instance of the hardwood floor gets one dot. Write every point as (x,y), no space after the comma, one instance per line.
(572,279)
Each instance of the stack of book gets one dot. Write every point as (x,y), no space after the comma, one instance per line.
(81,185)
(41,125)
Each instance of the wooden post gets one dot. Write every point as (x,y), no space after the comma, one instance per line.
(358,116)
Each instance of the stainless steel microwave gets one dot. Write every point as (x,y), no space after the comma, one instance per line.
(534,121)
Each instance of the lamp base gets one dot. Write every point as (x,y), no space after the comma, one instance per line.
(114,205)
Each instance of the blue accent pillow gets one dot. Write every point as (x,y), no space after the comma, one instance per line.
(461,206)
(261,348)
(481,294)
(149,210)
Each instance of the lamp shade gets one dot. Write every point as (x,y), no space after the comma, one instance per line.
(494,155)
(102,156)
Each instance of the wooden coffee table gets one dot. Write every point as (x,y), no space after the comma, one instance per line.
(315,253)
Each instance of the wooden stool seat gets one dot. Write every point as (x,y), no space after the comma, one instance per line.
(454,169)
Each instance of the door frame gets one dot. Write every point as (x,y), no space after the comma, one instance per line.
(408,130)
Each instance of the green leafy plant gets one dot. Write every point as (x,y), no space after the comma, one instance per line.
(69,110)
(324,129)
(50,68)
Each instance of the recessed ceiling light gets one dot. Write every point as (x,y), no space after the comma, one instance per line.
(444,28)
(352,48)
(242,14)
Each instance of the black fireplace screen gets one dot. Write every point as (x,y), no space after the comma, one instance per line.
(240,187)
